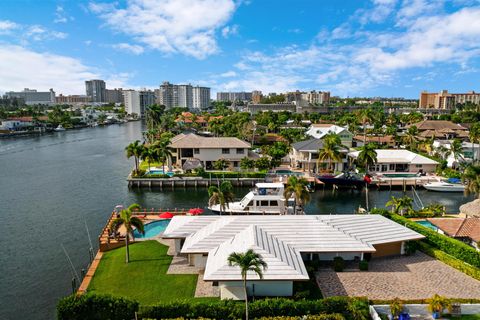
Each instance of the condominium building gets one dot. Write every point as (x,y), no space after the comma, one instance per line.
(234,96)
(132,102)
(185,96)
(95,89)
(147,99)
(303,99)
(256,96)
(255,108)
(114,95)
(72,99)
(446,100)
(32,96)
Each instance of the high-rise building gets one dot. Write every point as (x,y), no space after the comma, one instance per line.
(185,96)
(114,95)
(256,96)
(147,99)
(72,99)
(234,96)
(32,96)
(201,97)
(95,89)
(132,102)
(446,100)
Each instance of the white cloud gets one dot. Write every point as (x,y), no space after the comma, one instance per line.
(6,26)
(39,33)
(228,74)
(61,15)
(170,26)
(131,48)
(21,68)
(230,31)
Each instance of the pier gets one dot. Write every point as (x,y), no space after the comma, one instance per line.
(403,183)
(189,182)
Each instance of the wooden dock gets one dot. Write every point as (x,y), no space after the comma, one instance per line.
(403,183)
(188,182)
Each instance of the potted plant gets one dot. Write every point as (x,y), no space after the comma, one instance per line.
(396,307)
(436,305)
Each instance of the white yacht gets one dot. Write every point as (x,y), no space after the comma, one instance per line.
(265,199)
(443,186)
(59,128)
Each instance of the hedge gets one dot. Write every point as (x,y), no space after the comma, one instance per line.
(228,309)
(446,244)
(334,316)
(449,260)
(94,306)
(206,175)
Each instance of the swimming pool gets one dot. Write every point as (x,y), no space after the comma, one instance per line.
(400,175)
(427,224)
(159,171)
(288,173)
(152,229)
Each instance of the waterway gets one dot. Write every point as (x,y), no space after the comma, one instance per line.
(51,186)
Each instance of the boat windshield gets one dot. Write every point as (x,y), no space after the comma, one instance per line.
(246,200)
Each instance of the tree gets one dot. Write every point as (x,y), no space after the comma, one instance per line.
(330,150)
(221,164)
(437,304)
(154,114)
(456,149)
(411,138)
(297,188)
(149,155)
(221,195)
(400,205)
(474,135)
(367,156)
(471,176)
(278,150)
(162,151)
(396,307)
(135,149)
(247,163)
(102,117)
(128,221)
(263,163)
(248,261)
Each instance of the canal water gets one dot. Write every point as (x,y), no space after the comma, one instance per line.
(54,185)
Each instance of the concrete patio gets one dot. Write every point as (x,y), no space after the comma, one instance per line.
(408,277)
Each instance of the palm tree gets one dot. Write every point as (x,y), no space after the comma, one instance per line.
(400,205)
(330,150)
(150,135)
(128,221)
(248,261)
(162,151)
(456,149)
(135,149)
(367,156)
(221,164)
(411,137)
(297,187)
(221,195)
(474,135)
(154,115)
(365,117)
(471,176)
(149,155)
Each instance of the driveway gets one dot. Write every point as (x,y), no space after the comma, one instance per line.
(407,277)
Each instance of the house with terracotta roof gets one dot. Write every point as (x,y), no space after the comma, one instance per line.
(188,118)
(463,229)
(284,242)
(440,129)
(207,150)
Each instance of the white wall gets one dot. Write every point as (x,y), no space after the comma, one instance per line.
(234,289)
(199,260)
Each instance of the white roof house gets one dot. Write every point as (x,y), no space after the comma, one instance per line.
(319,130)
(282,241)
(398,156)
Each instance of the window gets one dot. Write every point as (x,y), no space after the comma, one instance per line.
(264,203)
(225,151)
(240,151)
(196,151)
(418,166)
(392,167)
(235,164)
(384,167)
(273,203)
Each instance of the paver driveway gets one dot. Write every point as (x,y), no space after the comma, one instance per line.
(408,277)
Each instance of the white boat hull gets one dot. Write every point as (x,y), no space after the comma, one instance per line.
(445,187)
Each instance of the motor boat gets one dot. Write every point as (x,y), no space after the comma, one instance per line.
(444,186)
(59,128)
(345,180)
(264,199)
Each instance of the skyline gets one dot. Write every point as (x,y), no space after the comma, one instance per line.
(383,48)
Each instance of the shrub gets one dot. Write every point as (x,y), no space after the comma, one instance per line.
(448,245)
(334,316)
(396,307)
(363,265)
(411,247)
(93,306)
(338,264)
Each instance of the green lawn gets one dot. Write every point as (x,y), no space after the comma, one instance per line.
(144,165)
(144,278)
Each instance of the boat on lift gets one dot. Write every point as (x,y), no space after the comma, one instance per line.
(346,180)
(264,199)
(451,185)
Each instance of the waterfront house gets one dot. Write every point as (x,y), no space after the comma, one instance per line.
(320,130)
(463,229)
(383,140)
(399,161)
(284,242)
(304,155)
(208,150)
(188,118)
(470,151)
(440,129)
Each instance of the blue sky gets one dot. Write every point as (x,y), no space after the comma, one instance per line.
(390,48)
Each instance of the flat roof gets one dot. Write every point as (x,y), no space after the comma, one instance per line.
(269,185)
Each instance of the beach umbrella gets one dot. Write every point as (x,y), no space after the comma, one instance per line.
(166,215)
(195,211)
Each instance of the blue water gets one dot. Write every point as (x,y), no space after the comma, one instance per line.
(170,174)
(289,173)
(427,224)
(152,229)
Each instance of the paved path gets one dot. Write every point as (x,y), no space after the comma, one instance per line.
(179,265)
(407,277)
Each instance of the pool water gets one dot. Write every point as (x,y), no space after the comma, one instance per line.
(288,173)
(400,175)
(152,229)
(170,174)
(427,224)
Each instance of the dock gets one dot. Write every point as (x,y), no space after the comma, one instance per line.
(403,183)
(189,182)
